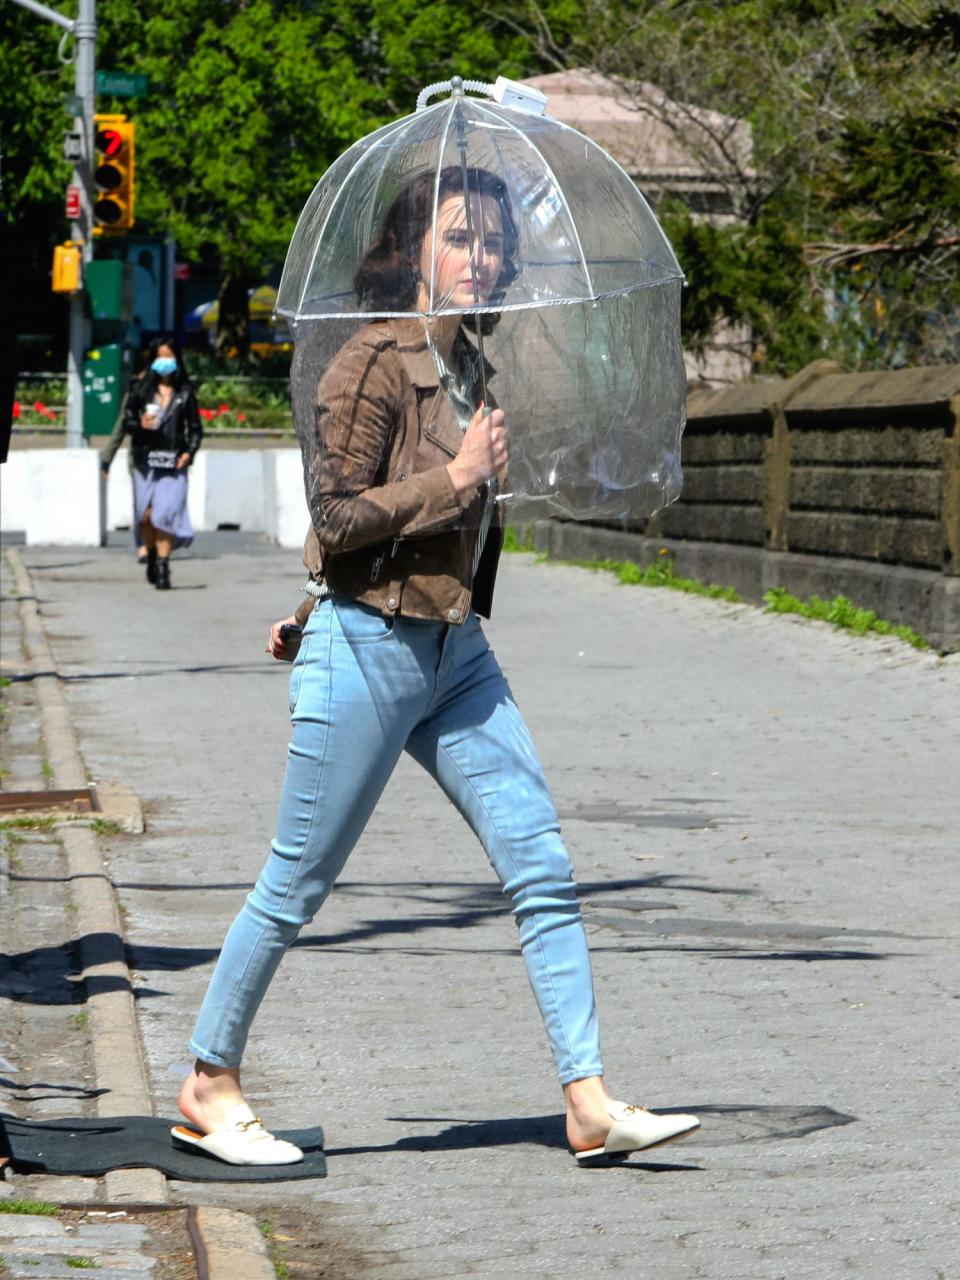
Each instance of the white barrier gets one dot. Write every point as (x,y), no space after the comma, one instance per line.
(285,504)
(15,491)
(59,496)
(54,496)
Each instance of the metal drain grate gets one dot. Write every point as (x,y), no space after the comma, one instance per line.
(83,800)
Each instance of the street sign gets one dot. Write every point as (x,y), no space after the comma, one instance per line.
(72,146)
(122,84)
(73,202)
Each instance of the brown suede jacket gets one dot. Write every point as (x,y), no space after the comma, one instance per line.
(388,527)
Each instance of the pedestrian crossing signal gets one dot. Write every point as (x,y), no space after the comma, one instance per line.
(113,174)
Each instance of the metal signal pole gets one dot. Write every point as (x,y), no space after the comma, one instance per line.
(84,30)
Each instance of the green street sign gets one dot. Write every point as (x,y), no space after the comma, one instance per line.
(122,84)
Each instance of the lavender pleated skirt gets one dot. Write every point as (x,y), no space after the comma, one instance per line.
(166,493)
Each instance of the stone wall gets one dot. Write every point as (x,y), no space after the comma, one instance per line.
(827,483)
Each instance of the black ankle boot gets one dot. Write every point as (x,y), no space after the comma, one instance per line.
(163,573)
(152,566)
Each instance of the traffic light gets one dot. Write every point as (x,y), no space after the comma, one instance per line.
(113,174)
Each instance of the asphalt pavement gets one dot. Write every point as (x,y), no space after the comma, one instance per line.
(763,814)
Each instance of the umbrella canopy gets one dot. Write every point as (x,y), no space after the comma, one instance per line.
(585,230)
(486,208)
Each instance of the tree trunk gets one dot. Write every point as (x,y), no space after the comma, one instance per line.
(233,338)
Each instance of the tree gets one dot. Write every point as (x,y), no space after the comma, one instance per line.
(249,103)
(849,210)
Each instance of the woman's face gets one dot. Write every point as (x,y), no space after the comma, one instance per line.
(165,353)
(446,252)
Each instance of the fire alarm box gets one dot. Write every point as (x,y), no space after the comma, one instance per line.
(67,274)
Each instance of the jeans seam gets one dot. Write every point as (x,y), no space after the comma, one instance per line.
(513,863)
(256,945)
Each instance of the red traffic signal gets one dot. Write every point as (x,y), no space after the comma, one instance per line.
(113,173)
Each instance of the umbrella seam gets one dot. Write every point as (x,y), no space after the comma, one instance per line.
(436,199)
(553,177)
(359,161)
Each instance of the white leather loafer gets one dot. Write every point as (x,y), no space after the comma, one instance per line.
(636,1129)
(241,1140)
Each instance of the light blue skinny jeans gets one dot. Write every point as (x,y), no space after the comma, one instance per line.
(363,689)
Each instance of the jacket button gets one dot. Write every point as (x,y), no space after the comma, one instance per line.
(453,614)
(392,602)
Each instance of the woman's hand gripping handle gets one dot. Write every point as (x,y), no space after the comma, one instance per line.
(484,451)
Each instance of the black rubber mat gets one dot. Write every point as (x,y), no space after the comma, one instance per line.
(92,1148)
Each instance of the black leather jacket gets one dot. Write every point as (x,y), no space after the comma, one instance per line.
(180,431)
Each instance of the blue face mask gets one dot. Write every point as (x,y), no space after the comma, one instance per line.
(164,365)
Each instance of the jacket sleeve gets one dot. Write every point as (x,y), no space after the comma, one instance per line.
(111,448)
(192,426)
(357,415)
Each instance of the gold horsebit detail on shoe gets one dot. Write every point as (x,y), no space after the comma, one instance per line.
(244,1125)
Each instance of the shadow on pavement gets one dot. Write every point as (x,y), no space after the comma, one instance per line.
(723,1125)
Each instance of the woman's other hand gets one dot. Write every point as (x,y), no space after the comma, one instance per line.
(275,646)
(183,461)
(484,451)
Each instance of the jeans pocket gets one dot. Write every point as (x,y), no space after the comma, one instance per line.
(360,624)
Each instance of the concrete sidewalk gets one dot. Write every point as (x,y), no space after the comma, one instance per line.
(763,814)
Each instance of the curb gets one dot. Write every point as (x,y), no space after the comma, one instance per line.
(114,1036)
(228,1244)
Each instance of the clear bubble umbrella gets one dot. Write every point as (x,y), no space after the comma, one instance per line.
(483,207)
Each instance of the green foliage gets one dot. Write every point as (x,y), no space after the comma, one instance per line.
(515,539)
(849,212)
(36,823)
(660,573)
(105,827)
(842,614)
(38,1207)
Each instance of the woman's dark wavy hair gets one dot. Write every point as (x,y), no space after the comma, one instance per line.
(388,276)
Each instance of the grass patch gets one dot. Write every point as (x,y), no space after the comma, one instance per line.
(517,541)
(105,827)
(80,1019)
(81,1264)
(843,614)
(27,824)
(661,573)
(39,1207)
(840,612)
(46,768)
(279,1266)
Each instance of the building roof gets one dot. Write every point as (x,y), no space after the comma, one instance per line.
(655,138)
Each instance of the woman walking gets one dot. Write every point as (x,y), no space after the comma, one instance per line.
(163,422)
(406,539)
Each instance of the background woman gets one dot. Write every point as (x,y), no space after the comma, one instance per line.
(163,422)
(406,541)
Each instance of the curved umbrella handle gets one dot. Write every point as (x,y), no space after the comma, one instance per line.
(456,86)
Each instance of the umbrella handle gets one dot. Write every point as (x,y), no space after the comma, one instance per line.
(447,86)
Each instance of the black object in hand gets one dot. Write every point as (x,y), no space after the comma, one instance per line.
(290,636)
